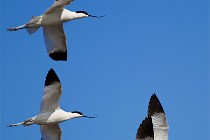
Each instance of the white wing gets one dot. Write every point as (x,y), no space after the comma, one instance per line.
(145,130)
(55,41)
(50,132)
(52,93)
(160,125)
(58,5)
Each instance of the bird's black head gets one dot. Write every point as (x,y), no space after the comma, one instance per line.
(84,12)
(77,112)
(80,113)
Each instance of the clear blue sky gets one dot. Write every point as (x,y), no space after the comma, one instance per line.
(114,65)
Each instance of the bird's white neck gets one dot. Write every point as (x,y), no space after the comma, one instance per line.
(69,15)
(54,117)
(71,115)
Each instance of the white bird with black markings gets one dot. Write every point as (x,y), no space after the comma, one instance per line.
(52,22)
(51,114)
(154,126)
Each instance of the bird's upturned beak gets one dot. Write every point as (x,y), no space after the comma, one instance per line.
(89,117)
(97,16)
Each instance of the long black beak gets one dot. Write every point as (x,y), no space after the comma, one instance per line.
(97,16)
(89,117)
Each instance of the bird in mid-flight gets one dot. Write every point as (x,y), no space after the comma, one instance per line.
(52,22)
(154,126)
(51,114)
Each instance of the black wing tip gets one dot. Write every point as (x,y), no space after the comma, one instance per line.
(145,129)
(154,105)
(59,56)
(51,77)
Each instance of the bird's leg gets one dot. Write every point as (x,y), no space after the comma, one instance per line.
(24,123)
(28,122)
(17,28)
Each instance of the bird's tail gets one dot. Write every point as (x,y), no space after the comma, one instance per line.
(17,28)
(32,26)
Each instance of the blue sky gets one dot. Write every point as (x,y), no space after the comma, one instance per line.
(114,65)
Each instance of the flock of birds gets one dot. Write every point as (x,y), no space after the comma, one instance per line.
(153,127)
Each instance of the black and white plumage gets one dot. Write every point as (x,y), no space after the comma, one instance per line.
(145,130)
(52,22)
(50,113)
(155,126)
(160,125)
(52,93)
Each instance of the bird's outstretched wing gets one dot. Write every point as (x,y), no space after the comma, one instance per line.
(50,132)
(145,130)
(160,125)
(52,93)
(55,41)
(58,5)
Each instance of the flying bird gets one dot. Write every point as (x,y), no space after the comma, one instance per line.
(51,114)
(154,126)
(52,22)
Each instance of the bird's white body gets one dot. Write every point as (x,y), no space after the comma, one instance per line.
(50,113)
(55,18)
(52,22)
(53,117)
